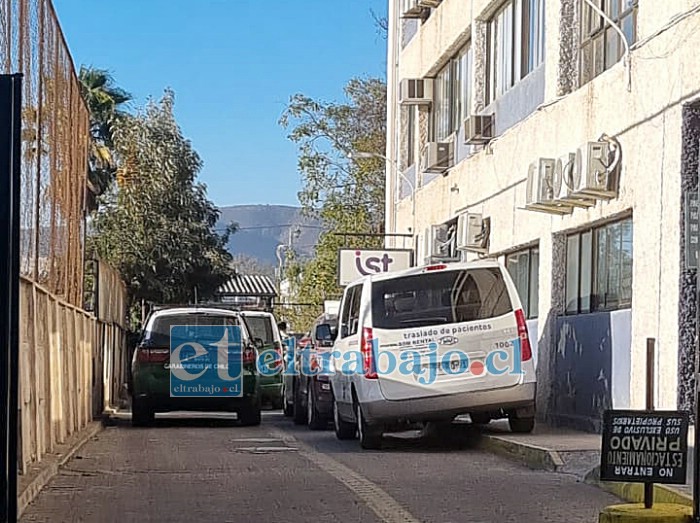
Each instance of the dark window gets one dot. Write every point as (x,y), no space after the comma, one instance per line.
(601,44)
(158,332)
(261,328)
(599,269)
(411,137)
(439,298)
(524,267)
(351,309)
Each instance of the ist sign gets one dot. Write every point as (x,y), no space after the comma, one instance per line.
(355,264)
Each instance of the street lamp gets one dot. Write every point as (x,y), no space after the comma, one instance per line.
(369,156)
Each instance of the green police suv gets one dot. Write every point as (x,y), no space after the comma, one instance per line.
(157,384)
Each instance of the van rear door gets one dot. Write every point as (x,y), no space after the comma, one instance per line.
(447,331)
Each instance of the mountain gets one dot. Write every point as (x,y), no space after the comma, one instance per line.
(263,227)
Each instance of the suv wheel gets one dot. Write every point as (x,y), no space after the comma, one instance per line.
(315,420)
(250,414)
(299,411)
(370,435)
(343,429)
(141,415)
(288,407)
(521,425)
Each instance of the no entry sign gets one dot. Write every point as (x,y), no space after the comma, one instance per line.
(644,446)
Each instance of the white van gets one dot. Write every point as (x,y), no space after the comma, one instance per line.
(434,342)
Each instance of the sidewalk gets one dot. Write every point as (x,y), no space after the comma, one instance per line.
(577,453)
(39,474)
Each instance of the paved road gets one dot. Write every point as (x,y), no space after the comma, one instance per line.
(199,470)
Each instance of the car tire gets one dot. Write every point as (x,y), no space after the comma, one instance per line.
(250,415)
(299,415)
(370,435)
(141,415)
(480,418)
(343,429)
(314,419)
(521,425)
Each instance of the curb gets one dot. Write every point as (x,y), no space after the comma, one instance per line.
(528,455)
(51,466)
(634,492)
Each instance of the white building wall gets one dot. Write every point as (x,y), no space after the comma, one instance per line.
(647,123)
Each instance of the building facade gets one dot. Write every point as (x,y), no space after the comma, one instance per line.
(529,130)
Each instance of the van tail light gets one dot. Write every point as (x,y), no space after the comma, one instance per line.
(248,356)
(368,354)
(525,348)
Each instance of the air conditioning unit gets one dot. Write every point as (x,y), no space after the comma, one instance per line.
(429,3)
(416,91)
(478,129)
(539,195)
(437,157)
(411,9)
(473,233)
(443,243)
(565,180)
(592,173)
(540,182)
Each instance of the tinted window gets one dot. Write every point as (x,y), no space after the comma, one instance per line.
(159,332)
(438,298)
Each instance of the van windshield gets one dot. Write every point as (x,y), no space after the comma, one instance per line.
(441,297)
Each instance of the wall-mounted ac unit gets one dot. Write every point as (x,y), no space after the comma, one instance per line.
(429,3)
(539,192)
(411,9)
(416,91)
(540,182)
(565,179)
(473,233)
(592,170)
(479,129)
(437,157)
(443,242)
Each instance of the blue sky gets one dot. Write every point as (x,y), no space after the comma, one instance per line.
(233,65)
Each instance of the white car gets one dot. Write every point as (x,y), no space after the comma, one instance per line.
(457,338)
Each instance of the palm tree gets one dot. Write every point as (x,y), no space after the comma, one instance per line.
(104,101)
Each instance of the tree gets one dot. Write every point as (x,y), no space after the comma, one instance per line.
(346,194)
(105,102)
(159,229)
(246,264)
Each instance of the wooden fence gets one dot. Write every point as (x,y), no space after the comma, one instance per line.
(73,364)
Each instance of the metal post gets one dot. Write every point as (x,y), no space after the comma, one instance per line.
(10,154)
(649,487)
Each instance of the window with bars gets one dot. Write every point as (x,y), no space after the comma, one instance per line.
(599,269)
(516,44)
(601,44)
(524,269)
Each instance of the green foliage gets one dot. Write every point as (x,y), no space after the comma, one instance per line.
(347,194)
(157,230)
(105,102)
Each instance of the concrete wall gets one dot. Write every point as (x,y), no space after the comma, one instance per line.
(647,121)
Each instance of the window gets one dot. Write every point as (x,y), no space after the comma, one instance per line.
(351,310)
(411,136)
(516,42)
(452,94)
(158,333)
(601,44)
(439,298)
(524,269)
(599,269)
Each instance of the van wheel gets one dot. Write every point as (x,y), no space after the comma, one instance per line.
(315,421)
(299,410)
(521,425)
(343,429)
(370,435)
(250,415)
